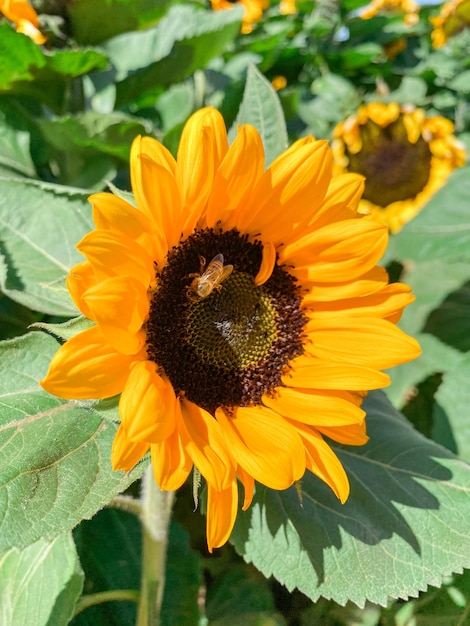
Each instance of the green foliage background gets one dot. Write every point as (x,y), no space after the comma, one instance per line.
(395,553)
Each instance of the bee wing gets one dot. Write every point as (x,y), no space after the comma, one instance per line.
(227,270)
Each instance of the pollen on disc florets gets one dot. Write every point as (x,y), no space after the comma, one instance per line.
(231,347)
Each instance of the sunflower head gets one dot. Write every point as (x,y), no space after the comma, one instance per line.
(453,19)
(408,8)
(238,311)
(404,155)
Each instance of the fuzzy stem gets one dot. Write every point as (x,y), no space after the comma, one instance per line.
(155,519)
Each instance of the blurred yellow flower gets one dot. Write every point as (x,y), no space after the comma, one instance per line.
(21,13)
(279,82)
(253,10)
(453,18)
(404,155)
(288,7)
(408,7)
(238,311)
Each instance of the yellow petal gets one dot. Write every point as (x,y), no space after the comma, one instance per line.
(222,509)
(81,278)
(112,254)
(125,453)
(120,306)
(314,407)
(147,405)
(264,444)
(350,435)
(202,147)
(236,177)
(312,373)
(113,213)
(161,195)
(346,248)
(267,264)
(248,486)
(171,464)
(203,441)
(370,342)
(387,303)
(368,283)
(323,462)
(290,192)
(87,367)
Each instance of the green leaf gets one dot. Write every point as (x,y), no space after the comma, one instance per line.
(46,77)
(39,227)
(436,357)
(442,229)
(55,467)
(238,599)
(453,399)
(450,322)
(109,546)
(40,584)
(261,108)
(185,40)
(423,277)
(91,132)
(15,141)
(94,21)
(14,318)
(405,525)
(183,581)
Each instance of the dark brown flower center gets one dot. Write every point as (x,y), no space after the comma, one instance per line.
(232,345)
(395,169)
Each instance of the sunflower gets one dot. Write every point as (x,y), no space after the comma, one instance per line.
(287,7)
(21,13)
(409,8)
(453,19)
(404,155)
(238,311)
(253,11)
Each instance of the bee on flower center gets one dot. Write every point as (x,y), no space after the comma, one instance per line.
(204,283)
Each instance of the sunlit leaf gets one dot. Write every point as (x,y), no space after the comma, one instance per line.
(185,40)
(55,467)
(261,108)
(373,547)
(39,227)
(40,584)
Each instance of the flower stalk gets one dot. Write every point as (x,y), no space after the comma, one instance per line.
(155,519)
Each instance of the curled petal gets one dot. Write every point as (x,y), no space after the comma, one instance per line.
(267,264)
(248,483)
(221,514)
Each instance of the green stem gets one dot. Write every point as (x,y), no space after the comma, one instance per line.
(131,595)
(155,519)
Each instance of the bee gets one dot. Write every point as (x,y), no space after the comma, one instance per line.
(204,283)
